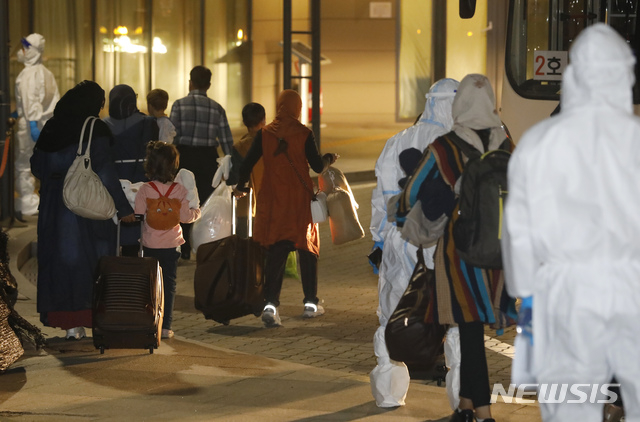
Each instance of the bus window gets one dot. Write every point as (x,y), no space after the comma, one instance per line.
(540,33)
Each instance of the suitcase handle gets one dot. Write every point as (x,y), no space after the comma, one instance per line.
(139,218)
(249,213)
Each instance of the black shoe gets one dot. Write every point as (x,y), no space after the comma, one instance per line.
(186,254)
(462,416)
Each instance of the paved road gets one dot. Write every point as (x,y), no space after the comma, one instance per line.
(342,338)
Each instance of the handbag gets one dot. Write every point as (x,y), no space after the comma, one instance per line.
(319,210)
(83,191)
(408,337)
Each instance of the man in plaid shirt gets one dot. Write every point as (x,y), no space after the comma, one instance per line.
(201,126)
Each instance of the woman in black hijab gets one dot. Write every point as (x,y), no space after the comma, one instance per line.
(131,131)
(69,246)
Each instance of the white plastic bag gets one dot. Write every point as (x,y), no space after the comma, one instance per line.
(319,210)
(216,218)
(452,356)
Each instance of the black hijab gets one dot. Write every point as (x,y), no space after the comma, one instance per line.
(122,102)
(63,129)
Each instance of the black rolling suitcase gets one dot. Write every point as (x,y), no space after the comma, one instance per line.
(128,301)
(229,280)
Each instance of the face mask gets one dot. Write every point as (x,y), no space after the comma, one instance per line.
(21,57)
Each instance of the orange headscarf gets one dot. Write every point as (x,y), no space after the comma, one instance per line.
(288,109)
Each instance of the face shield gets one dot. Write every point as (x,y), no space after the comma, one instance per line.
(437,109)
(32,49)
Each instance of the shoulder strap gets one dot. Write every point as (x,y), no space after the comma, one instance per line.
(463,145)
(153,185)
(173,185)
(155,188)
(84,126)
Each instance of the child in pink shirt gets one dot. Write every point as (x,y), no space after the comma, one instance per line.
(164,204)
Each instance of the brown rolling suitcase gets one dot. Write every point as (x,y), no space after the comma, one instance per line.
(229,280)
(128,301)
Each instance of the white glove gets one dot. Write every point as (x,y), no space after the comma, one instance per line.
(224,167)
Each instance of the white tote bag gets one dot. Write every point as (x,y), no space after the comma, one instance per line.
(83,191)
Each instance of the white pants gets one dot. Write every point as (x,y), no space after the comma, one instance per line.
(27,200)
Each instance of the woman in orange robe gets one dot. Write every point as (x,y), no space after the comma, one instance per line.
(283,212)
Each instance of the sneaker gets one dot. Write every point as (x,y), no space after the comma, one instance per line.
(167,333)
(270,316)
(75,333)
(311,310)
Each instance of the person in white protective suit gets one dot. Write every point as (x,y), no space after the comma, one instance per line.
(572,231)
(390,379)
(36,97)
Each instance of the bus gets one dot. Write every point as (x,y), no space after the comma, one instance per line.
(539,35)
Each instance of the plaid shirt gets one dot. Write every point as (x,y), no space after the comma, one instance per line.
(201,122)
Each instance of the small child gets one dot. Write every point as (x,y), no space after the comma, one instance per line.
(157,100)
(254,118)
(164,204)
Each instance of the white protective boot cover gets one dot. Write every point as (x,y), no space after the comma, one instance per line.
(389,379)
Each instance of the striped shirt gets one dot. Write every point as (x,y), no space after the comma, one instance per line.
(201,122)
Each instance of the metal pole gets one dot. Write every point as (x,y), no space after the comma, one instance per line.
(286,44)
(94,27)
(439,42)
(315,70)
(150,44)
(6,182)
(202,25)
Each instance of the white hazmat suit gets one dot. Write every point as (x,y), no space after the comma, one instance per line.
(390,379)
(36,97)
(572,230)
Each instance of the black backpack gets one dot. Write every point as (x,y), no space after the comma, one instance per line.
(477,230)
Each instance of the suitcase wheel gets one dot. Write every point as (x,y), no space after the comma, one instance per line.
(225,322)
(150,350)
(102,350)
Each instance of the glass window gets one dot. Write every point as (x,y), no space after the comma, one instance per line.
(414,58)
(466,42)
(228,55)
(540,34)
(121,47)
(176,46)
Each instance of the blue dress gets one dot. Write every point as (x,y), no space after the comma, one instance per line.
(69,246)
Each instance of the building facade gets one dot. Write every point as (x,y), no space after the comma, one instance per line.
(380,56)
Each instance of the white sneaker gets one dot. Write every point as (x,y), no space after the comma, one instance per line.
(75,333)
(270,316)
(167,333)
(311,310)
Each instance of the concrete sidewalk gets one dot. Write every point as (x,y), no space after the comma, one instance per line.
(307,370)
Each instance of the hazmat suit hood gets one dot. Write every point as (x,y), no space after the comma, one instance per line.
(600,72)
(437,109)
(34,47)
